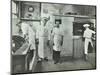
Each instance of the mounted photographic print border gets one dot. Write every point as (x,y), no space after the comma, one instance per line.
(70,56)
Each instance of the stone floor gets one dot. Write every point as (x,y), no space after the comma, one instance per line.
(67,64)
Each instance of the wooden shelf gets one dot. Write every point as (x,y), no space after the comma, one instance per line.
(27,19)
(77,16)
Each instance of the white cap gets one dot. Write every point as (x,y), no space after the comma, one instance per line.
(45,18)
(86,25)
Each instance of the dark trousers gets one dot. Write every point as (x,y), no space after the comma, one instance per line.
(31,54)
(29,58)
(56,56)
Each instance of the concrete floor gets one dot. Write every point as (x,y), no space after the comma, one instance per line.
(67,64)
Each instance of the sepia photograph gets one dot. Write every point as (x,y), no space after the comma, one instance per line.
(52,37)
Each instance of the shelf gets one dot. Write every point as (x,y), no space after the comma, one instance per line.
(77,16)
(26,19)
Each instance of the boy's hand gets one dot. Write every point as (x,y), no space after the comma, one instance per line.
(48,42)
(61,43)
(37,41)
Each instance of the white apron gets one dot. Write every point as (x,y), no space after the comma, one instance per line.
(43,38)
(57,33)
(32,37)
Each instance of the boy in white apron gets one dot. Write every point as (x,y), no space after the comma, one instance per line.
(58,41)
(43,40)
(30,37)
(88,38)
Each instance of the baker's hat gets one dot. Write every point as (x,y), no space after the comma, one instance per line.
(86,25)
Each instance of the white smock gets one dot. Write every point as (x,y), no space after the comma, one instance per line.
(88,35)
(30,32)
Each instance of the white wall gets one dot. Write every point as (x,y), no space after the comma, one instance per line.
(67,24)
